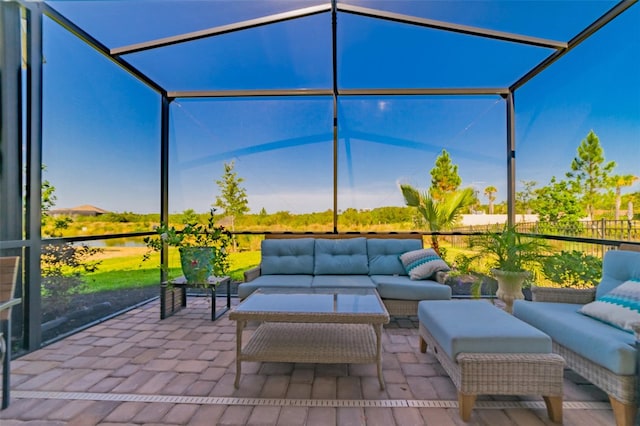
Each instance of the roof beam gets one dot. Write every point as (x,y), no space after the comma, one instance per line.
(247,93)
(224,29)
(500,91)
(91,41)
(426,91)
(447,26)
(582,36)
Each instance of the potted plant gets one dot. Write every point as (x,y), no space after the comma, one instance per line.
(202,247)
(569,277)
(512,258)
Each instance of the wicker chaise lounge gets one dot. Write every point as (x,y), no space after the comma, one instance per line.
(607,356)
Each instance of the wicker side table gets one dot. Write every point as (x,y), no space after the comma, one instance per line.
(173,295)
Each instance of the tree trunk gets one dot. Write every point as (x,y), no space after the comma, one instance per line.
(435,244)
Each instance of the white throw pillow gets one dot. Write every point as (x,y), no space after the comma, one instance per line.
(422,264)
(620,307)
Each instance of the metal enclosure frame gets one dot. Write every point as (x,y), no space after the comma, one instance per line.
(13,219)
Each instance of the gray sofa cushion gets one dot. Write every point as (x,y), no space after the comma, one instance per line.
(335,257)
(383,254)
(358,281)
(295,281)
(603,344)
(476,326)
(403,288)
(287,256)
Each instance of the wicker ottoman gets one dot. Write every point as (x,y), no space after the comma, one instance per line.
(484,350)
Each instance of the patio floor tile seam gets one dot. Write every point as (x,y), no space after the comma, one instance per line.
(293,402)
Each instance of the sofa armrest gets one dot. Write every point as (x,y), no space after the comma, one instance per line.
(251,274)
(579,296)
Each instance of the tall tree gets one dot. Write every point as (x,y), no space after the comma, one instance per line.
(620,181)
(557,205)
(439,214)
(589,171)
(444,176)
(488,192)
(233,198)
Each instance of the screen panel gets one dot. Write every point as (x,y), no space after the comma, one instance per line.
(281,148)
(392,140)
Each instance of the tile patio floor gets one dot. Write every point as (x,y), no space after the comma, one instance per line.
(137,369)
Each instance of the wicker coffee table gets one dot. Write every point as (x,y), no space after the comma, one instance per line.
(324,325)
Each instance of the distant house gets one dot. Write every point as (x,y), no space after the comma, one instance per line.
(84,210)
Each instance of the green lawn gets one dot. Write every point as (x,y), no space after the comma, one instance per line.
(129,271)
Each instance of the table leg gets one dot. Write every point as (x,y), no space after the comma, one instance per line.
(239,328)
(183,291)
(378,329)
(212,288)
(222,311)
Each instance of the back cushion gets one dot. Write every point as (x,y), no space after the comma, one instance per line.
(618,266)
(384,255)
(341,256)
(287,256)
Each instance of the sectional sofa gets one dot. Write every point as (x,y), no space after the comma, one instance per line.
(599,344)
(346,260)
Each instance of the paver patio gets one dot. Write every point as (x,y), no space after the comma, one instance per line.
(138,369)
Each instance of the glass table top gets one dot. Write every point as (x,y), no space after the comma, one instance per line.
(309,300)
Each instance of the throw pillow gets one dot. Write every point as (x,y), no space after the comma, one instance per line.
(620,307)
(422,264)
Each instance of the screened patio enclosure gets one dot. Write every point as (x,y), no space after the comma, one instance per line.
(322,107)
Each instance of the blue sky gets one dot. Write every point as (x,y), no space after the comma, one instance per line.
(101,126)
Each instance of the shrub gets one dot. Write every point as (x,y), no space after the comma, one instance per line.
(572,269)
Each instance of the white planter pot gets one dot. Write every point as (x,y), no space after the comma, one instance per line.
(509,286)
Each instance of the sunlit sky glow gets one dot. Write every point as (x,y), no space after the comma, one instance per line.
(102,127)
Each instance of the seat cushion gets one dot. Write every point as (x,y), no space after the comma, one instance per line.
(596,341)
(478,326)
(402,287)
(287,256)
(360,281)
(383,254)
(341,256)
(422,264)
(245,289)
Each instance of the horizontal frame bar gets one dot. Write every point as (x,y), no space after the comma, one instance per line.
(426,91)
(247,93)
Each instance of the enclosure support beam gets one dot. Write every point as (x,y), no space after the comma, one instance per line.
(10,123)
(334,51)
(33,306)
(511,160)
(164,180)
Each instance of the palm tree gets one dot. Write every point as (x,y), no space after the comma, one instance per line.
(441,214)
(489,191)
(619,181)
